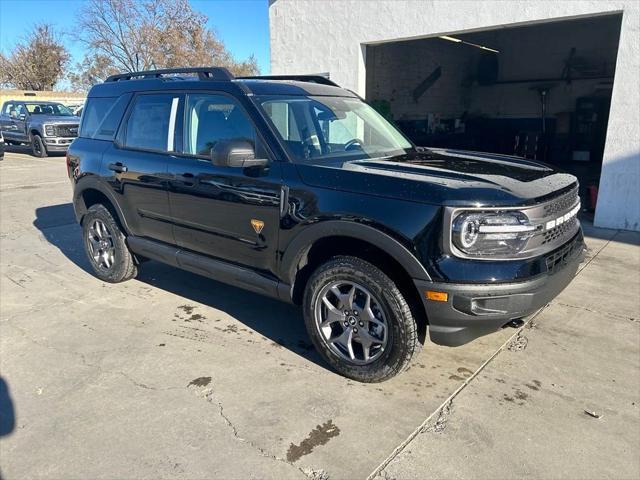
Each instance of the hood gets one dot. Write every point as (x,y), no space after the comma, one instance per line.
(444,177)
(55,119)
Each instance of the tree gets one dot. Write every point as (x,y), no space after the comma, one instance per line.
(38,63)
(128,35)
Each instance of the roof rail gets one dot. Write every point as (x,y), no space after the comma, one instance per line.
(204,73)
(322,79)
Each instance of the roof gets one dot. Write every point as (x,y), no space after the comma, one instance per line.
(215,78)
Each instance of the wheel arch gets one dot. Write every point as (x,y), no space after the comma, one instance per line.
(89,192)
(314,246)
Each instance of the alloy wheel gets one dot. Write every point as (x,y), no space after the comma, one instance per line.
(101,245)
(351,322)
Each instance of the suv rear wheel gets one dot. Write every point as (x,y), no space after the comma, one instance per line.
(37,146)
(359,320)
(105,246)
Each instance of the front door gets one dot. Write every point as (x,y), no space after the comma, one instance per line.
(229,213)
(13,122)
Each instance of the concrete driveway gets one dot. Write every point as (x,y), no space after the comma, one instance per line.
(173,375)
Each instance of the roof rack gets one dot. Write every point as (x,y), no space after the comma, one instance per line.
(322,79)
(204,73)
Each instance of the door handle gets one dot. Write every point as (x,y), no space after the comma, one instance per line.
(118,167)
(187,179)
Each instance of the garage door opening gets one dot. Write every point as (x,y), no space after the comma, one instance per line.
(539,91)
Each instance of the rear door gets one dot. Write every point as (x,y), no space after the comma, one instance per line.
(136,164)
(230,213)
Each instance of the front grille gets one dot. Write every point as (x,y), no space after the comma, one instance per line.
(560,257)
(562,204)
(560,231)
(65,130)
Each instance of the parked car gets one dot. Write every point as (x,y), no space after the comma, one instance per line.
(295,188)
(46,126)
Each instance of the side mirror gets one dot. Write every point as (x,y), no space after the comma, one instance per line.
(22,116)
(235,153)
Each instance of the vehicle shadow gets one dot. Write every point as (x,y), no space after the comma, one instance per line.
(25,149)
(58,225)
(280,322)
(7,412)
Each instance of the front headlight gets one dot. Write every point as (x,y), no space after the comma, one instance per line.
(491,233)
(49,130)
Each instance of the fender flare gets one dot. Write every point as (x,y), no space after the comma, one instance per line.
(92,183)
(301,244)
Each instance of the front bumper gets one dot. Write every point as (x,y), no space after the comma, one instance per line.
(58,144)
(474,310)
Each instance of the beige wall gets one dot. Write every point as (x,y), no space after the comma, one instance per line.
(66,98)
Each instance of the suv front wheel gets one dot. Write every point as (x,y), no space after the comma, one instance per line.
(105,246)
(359,320)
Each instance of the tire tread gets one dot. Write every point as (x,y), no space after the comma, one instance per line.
(368,275)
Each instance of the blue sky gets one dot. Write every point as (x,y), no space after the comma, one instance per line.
(242,24)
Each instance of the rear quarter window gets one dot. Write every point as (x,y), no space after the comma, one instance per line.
(102,115)
(148,124)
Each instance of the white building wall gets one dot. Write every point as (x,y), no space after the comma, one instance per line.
(310,36)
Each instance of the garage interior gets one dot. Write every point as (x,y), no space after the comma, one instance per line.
(540,91)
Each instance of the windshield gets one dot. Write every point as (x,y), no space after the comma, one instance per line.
(332,128)
(56,109)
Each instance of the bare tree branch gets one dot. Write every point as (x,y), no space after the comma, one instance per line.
(36,64)
(128,35)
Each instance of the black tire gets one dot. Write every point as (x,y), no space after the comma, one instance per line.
(403,337)
(122,266)
(37,146)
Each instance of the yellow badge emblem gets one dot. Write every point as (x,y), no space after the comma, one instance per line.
(257,225)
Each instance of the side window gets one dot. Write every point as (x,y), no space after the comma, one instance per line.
(7,108)
(148,124)
(210,119)
(102,116)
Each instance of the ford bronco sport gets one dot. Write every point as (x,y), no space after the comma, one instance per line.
(292,187)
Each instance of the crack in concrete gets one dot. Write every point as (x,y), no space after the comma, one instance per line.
(86,363)
(606,314)
(588,262)
(519,343)
(319,474)
(512,341)
(14,281)
(441,422)
(385,475)
(209,396)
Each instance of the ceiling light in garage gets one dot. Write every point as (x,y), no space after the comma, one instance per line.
(457,40)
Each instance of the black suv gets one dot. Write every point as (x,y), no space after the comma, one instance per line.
(292,187)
